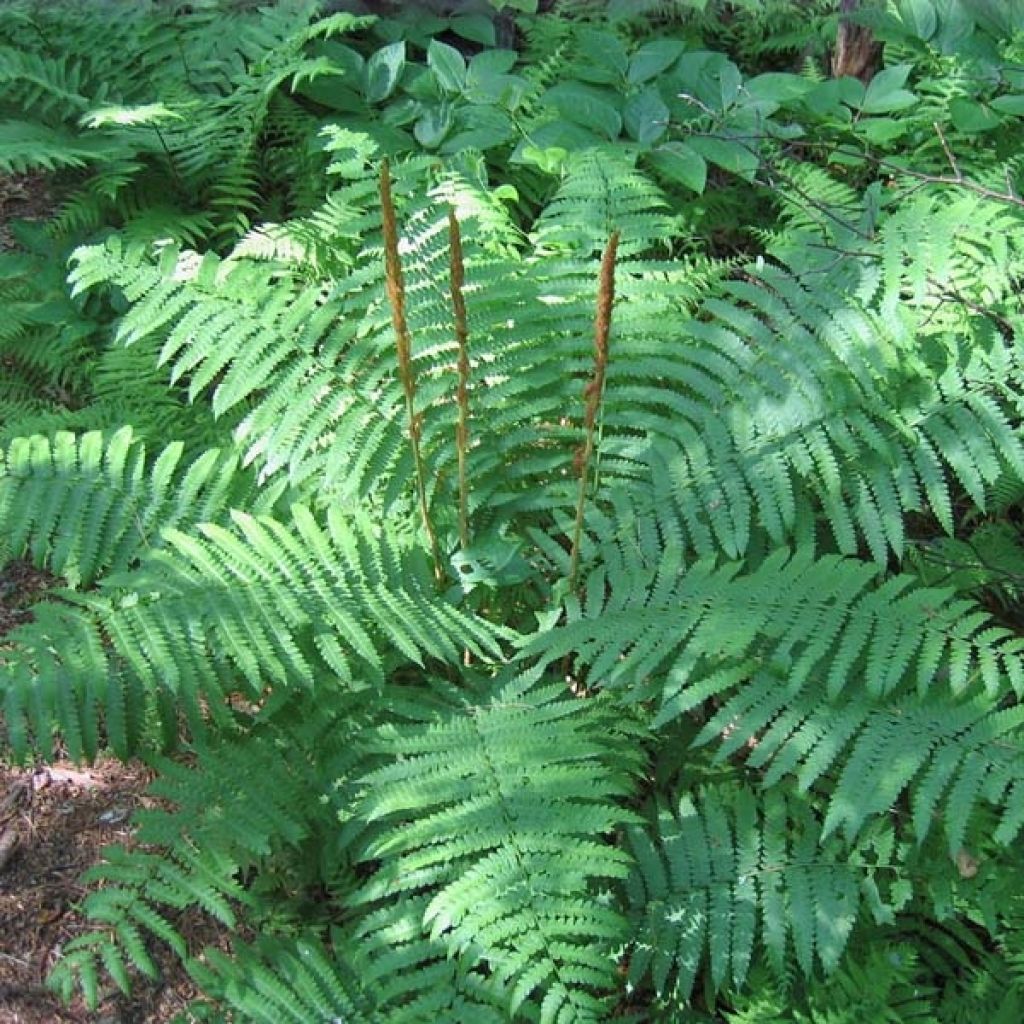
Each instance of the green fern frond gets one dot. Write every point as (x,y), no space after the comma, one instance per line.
(472,816)
(89,504)
(727,873)
(262,603)
(603,192)
(827,623)
(286,980)
(27,146)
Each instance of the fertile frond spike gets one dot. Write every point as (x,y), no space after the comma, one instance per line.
(403,344)
(458,280)
(594,391)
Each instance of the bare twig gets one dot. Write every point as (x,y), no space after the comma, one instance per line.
(949,153)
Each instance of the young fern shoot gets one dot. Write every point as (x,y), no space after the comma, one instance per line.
(403,344)
(594,391)
(458,279)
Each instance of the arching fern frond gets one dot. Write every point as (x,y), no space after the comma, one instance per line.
(827,624)
(93,503)
(472,819)
(287,981)
(726,873)
(860,678)
(187,863)
(602,192)
(264,603)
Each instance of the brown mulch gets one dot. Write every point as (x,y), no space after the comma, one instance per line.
(58,819)
(21,584)
(22,197)
(54,822)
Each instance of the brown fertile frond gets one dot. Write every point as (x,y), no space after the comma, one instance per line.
(395,285)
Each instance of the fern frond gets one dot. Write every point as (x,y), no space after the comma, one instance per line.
(94,503)
(478,804)
(726,873)
(286,980)
(263,603)
(827,624)
(603,192)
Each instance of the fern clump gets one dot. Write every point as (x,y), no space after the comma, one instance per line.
(548,511)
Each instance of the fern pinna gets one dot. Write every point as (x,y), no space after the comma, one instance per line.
(531,613)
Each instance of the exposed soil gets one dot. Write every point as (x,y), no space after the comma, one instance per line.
(54,822)
(22,197)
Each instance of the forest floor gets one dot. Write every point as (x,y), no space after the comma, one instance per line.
(55,820)
(22,196)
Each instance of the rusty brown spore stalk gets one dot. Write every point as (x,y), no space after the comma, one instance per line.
(403,344)
(594,392)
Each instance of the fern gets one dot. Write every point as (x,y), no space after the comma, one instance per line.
(481,802)
(729,869)
(276,980)
(90,504)
(251,600)
(507,680)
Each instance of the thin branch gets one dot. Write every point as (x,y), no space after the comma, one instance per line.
(948,151)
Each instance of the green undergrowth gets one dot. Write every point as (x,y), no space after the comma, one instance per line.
(543,490)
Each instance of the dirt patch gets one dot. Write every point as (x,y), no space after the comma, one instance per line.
(54,823)
(21,584)
(22,197)
(57,820)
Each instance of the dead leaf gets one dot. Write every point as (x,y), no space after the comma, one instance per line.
(966,864)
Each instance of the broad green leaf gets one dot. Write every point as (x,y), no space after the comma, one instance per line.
(383,70)
(586,106)
(778,87)
(1008,104)
(729,154)
(885,91)
(709,77)
(681,163)
(606,58)
(488,81)
(433,126)
(448,65)
(477,28)
(479,126)
(832,97)
(970,116)
(882,130)
(559,134)
(646,116)
(731,80)
(920,17)
(550,160)
(492,62)
(652,58)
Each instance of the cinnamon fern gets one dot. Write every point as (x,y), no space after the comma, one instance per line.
(551,519)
